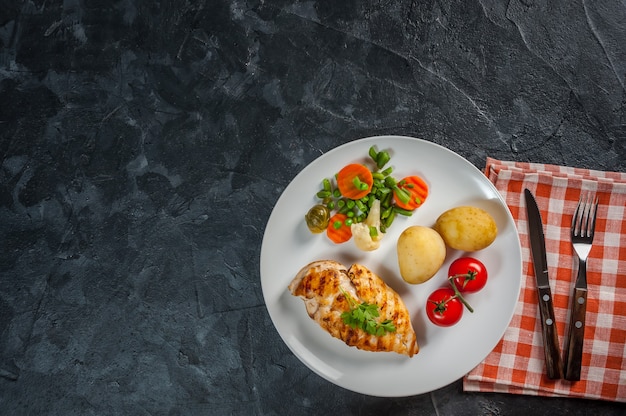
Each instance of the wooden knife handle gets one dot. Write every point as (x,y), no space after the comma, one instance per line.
(554,365)
(576,336)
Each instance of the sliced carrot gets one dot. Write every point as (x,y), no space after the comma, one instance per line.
(355,181)
(337,229)
(417,190)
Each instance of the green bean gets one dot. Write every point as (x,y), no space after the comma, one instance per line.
(386,201)
(326,185)
(362,186)
(378,175)
(382,158)
(390,182)
(323,194)
(402,211)
(402,195)
(373,154)
(387,222)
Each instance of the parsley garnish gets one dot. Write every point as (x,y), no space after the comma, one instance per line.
(364,316)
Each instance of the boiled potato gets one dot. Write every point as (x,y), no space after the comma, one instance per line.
(421,252)
(467,228)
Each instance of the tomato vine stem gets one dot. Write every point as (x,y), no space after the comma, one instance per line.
(459,295)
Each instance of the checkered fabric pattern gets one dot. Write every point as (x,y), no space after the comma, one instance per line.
(517,364)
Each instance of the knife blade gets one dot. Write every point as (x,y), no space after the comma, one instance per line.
(554,366)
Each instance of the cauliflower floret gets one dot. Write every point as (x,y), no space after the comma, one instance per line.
(361,231)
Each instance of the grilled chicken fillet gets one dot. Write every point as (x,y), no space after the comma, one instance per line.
(320,285)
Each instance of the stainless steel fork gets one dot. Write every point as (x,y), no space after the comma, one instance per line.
(583,229)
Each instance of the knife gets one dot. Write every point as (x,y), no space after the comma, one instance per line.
(551,348)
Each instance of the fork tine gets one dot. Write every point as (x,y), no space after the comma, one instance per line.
(584,219)
(575,219)
(595,212)
(592,216)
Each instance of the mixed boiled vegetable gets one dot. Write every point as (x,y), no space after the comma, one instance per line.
(364,202)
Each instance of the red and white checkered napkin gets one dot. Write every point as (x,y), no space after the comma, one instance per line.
(517,364)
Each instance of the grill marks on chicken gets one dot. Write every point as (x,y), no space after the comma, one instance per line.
(320,285)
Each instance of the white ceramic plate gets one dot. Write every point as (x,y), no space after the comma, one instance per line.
(446,354)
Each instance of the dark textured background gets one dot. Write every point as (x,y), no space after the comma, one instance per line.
(143,145)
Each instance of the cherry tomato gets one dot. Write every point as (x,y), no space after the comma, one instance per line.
(443,308)
(469,274)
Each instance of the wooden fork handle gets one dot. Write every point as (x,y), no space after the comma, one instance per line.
(576,336)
